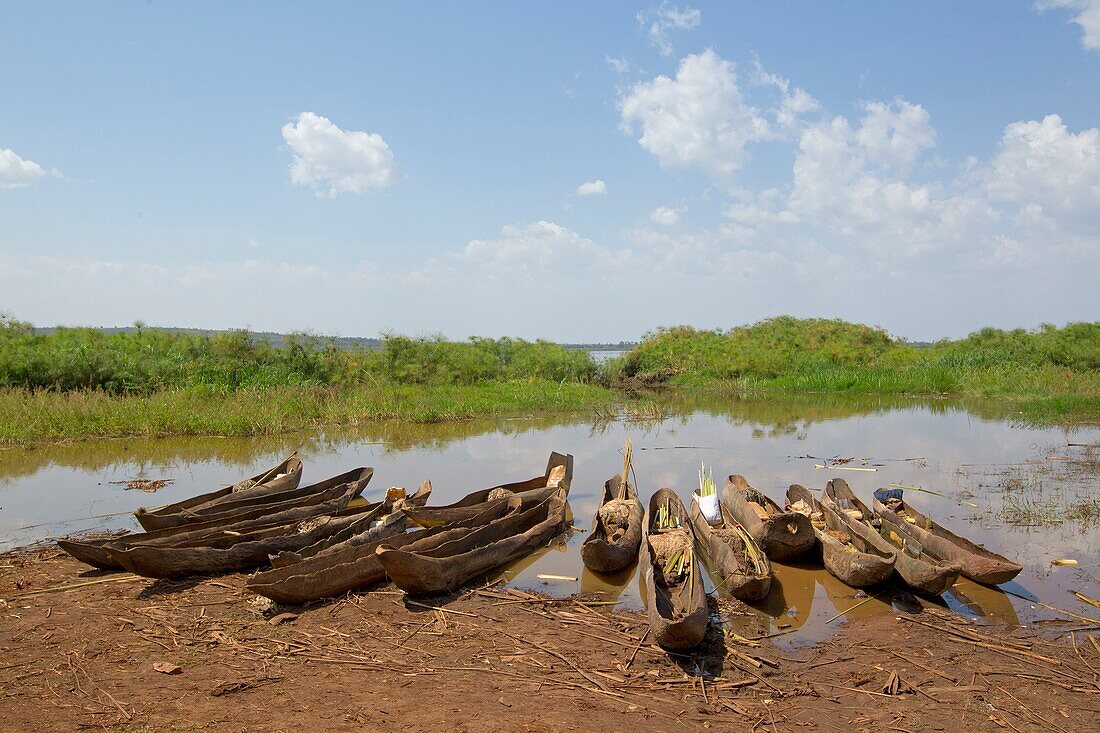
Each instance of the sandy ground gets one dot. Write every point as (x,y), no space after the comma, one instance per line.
(87,658)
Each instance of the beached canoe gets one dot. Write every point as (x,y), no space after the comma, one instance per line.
(281,477)
(395,496)
(616,533)
(676,602)
(847,555)
(559,472)
(345,567)
(441,562)
(739,565)
(318,500)
(236,550)
(921,572)
(977,563)
(780,533)
(278,483)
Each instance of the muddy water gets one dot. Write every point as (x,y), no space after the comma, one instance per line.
(972,453)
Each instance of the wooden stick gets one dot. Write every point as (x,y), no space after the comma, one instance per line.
(62,588)
(646,635)
(410,602)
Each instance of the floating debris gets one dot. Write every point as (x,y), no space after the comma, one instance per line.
(148,485)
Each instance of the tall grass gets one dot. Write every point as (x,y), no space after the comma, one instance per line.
(788,354)
(145,361)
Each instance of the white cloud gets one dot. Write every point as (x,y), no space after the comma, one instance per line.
(16,172)
(618,64)
(332,161)
(699,119)
(895,134)
(531,250)
(1086,15)
(592,188)
(665,216)
(664,18)
(1043,164)
(795,102)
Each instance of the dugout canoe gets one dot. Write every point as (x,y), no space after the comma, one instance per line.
(977,563)
(273,485)
(781,533)
(242,550)
(398,500)
(678,614)
(322,498)
(917,569)
(846,555)
(740,566)
(345,567)
(441,562)
(559,472)
(604,552)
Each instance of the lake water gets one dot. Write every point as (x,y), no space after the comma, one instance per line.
(977,449)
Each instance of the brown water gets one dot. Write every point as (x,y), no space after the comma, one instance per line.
(55,490)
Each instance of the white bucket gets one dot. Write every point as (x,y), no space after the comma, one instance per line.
(708,505)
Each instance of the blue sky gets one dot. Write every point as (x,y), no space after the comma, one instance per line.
(351,168)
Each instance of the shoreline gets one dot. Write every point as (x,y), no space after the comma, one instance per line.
(29,419)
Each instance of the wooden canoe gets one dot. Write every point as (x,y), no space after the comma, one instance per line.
(602,553)
(853,561)
(322,498)
(284,476)
(559,472)
(978,563)
(345,567)
(242,550)
(420,498)
(274,485)
(781,533)
(441,562)
(739,566)
(678,614)
(921,572)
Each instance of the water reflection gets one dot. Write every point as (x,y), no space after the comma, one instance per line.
(52,490)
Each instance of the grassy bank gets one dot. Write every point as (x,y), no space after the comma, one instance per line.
(28,417)
(1051,373)
(80,383)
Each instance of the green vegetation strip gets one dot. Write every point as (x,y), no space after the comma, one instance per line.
(72,383)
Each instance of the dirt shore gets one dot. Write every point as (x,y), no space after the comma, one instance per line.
(87,658)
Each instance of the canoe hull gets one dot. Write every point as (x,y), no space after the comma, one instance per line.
(925,575)
(341,569)
(849,565)
(467,508)
(443,561)
(978,563)
(233,552)
(175,514)
(603,556)
(734,571)
(672,627)
(782,534)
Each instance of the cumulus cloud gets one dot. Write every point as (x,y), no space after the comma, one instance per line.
(895,134)
(1042,163)
(699,119)
(16,172)
(618,64)
(1086,13)
(332,161)
(659,21)
(664,216)
(859,187)
(592,188)
(529,250)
